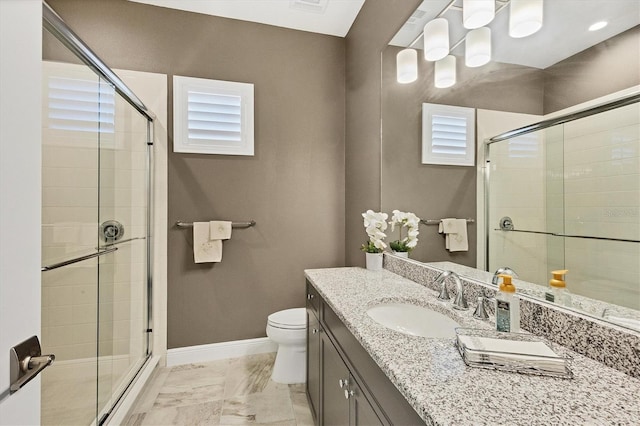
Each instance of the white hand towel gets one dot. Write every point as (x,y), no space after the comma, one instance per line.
(205,249)
(458,241)
(455,231)
(219,230)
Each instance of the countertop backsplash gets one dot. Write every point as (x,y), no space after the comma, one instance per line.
(617,347)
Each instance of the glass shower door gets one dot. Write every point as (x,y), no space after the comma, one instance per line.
(122,278)
(70,160)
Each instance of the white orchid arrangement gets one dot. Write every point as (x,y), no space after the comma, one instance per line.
(405,220)
(375,224)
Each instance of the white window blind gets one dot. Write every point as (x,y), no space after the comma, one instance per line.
(81,105)
(212,116)
(448,135)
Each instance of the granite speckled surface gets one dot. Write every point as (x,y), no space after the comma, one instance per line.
(431,375)
(578,331)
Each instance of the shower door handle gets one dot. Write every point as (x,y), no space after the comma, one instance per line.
(26,362)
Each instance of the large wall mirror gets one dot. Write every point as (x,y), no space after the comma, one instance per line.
(580,179)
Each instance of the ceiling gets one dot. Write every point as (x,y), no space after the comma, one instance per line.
(564,31)
(332,17)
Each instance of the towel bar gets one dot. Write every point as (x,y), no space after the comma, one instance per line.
(181,224)
(437,221)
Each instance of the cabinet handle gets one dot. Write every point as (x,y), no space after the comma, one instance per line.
(348,393)
(309,296)
(314,331)
(343,383)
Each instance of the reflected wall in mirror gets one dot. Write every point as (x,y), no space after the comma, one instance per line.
(527,80)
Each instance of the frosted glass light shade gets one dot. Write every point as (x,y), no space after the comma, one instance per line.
(477,13)
(445,72)
(525,17)
(436,39)
(407,66)
(477,47)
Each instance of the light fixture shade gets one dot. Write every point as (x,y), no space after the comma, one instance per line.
(445,72)
(477,47)
(436,39)
(525,17)
(477,13)
(407,66)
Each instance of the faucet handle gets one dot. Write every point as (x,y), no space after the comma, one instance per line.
(481,312)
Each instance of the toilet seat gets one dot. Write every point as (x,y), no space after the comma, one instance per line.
(289,319)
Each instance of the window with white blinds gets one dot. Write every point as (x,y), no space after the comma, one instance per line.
(448,135)
(212,116)
(80,105)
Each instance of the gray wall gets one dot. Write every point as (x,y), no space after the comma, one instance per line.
(293,187)
(375,25)
(605,68)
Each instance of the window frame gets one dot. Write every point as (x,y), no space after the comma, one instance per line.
(181,141)
(428,156)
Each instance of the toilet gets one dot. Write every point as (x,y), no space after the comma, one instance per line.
(288,329)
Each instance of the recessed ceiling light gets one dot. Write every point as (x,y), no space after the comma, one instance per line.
(598,26)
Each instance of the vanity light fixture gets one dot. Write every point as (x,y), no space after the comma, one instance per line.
(407,66)
(525,17)
(477,47)
(598,25)
(436,39)
(445,72)
(477,13)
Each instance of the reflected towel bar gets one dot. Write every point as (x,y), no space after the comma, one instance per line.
(181,224)
(437,221)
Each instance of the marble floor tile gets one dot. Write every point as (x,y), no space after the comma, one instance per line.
(249,374)
(301,410)
(269,407)
(230,392)
(207,413)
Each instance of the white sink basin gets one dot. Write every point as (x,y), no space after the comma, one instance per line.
(412,319)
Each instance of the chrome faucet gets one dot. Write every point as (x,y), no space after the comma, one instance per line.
(459,302)
(503,270)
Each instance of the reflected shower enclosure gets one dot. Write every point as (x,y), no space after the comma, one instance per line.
(95,240)
(572,193)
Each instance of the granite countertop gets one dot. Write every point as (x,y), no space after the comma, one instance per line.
(431,375)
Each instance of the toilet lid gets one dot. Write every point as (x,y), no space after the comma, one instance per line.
(289,318)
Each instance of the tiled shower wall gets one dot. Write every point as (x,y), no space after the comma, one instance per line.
(582,178)
(76,198)
(602,198)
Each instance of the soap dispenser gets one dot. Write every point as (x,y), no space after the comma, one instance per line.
(507,306)
(558,292)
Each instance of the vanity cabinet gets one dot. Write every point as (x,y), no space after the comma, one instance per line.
(344,385)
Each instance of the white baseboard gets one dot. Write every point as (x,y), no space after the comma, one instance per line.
(216,351)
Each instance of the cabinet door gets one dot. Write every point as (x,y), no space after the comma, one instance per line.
(313,364)
(360,411)
(335,407)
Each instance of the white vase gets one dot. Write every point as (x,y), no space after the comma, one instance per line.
(404,254)
(374,261)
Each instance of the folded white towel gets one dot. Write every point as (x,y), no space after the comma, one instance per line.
(205,249)
(219,230)
(455,231)
(512,352)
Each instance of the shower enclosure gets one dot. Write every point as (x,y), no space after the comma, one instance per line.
(566,195)
(96,231)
